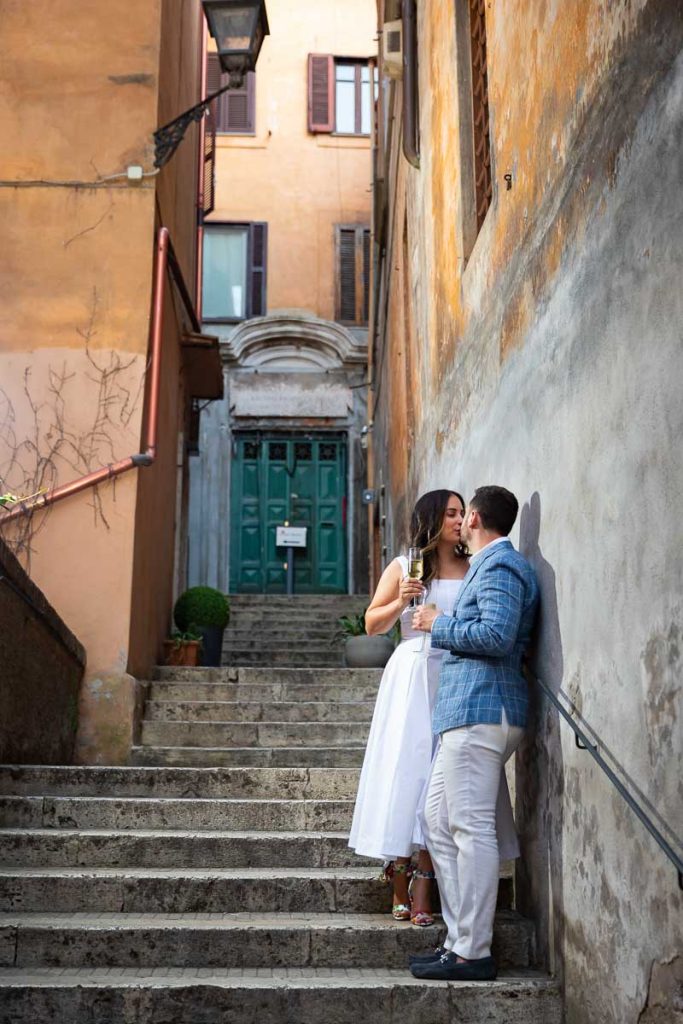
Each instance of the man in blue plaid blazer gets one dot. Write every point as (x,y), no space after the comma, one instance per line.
(480,714)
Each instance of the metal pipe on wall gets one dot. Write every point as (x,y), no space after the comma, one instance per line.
(411,144)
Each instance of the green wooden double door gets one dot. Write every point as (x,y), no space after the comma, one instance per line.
(299,479)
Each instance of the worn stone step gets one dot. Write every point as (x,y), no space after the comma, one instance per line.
(352,890)
(272,996)
(221,783)
(296,601)
(255,734)
(301,657)
(267,624)
(183,848)
(251,639)
(274,757)
(262,692)
(283,675)
(84,812)
(280,630)
(258,711)
(238,940)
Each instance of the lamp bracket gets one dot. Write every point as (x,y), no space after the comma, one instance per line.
(169,136)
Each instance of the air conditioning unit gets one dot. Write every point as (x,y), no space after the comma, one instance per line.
(392,49)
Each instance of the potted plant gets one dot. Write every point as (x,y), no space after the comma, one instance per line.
(183,649)
(361,650)
(205,611)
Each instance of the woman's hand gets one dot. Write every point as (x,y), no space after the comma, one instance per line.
(409,589)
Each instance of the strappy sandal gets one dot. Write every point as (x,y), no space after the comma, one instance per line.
(399,911)
(420,918)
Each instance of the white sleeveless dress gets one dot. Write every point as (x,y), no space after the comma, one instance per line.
(401,746)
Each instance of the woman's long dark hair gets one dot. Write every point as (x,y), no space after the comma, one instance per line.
(426,524)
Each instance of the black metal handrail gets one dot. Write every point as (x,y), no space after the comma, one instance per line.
(584,743)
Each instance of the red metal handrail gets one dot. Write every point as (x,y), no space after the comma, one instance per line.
(165,258)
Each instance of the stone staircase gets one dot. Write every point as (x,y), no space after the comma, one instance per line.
(211,881)
(276,629)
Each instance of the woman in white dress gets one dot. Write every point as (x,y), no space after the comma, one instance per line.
(400,745)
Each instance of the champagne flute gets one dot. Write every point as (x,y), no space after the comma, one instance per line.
(426,638)
(415,569)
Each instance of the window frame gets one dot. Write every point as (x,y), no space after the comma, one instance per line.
(251,270)
(357,63)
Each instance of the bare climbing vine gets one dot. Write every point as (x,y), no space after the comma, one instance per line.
(61,441)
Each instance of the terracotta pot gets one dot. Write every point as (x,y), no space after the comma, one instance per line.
(367,651)
(185,653)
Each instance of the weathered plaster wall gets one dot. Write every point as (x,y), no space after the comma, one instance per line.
(301,184)
(82,92)
(552,365)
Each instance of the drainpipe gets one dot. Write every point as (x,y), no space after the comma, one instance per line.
(410,105)
(146,457)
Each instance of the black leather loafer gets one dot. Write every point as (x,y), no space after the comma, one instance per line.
(447,968)
(427,958)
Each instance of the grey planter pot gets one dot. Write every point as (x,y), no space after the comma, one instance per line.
(367,651)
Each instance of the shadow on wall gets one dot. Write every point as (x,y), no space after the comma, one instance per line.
(540,767)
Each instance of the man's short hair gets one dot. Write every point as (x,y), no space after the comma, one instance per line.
(497,508)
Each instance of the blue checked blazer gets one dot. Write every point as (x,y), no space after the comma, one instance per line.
(485,638)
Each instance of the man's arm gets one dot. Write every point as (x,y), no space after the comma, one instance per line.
(500,598)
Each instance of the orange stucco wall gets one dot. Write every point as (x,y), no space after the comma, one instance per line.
(85,86)
(301,184)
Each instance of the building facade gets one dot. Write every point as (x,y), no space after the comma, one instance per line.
(88,226)
(285,286)
(525,331)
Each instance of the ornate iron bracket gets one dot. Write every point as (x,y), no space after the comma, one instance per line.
(169,136)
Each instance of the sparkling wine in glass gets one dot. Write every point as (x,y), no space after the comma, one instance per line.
(415,568)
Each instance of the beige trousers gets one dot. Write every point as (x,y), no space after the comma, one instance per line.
(467,823)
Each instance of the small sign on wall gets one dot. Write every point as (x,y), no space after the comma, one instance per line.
(290,536)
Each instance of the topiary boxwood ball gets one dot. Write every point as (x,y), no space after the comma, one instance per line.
(201,606)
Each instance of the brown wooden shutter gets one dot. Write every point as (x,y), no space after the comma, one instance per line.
(209,175)
(235,110)
(215,80)
(366,275)
(320,92)
(240,107)
(347,275)
(258,256)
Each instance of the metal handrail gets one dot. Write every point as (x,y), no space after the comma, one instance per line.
(584,743)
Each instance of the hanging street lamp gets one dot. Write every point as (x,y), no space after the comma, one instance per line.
(239,28)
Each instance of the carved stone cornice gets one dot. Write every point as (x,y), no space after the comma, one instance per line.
(293,341)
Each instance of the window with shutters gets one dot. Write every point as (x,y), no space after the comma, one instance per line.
(234,110)
(234,271)
(475,178)
(352,273)
(339,95)
(481,138)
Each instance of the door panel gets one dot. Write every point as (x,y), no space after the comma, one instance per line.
(301,479)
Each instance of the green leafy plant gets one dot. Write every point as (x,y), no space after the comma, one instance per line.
(201,606)
(188,636)
(354,625)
